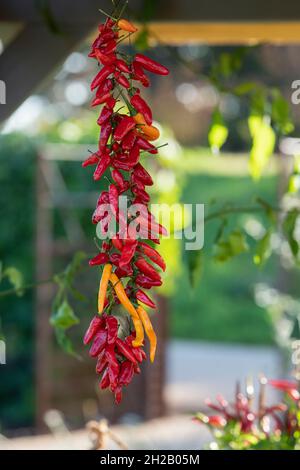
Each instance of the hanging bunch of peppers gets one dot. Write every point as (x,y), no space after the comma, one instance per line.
(129,265)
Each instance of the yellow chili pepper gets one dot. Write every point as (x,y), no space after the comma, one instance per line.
(122,296)
(103,287)
(149,330)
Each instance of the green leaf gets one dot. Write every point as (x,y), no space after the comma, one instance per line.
(263,249)
(281,113)
(218,132)
(65,343)
(263,143)
(15,277)
(234,245)
(195,266)
(295,333)
(288,227)
(64,317)
(237,241)
(244,88)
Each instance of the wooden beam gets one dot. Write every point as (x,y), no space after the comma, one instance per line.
(30,59)
(227,32)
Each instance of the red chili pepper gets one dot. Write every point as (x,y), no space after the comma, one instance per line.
(106,37)
(105,59)
(140,75)
(127,123)
(95,325)
(114,198)
(141,106)
(117,243)
(143,297)
(134,155)
(114,258)
(91,160)
(99,343)
(140,172)
(152,254)
(138,353)
(101,362)
(126,271)
(118,178)
(151,225)
(126,373)
(112,329)
(128,141)
(151,65)
(118,394)
(145,281)
(121,79)
(111,102)
(101,76)
(145,145)
(135,181)
(110,47)
(111,355)
(147,269)
(121,65)
(121,164)
(127,253)
(124,349)
(101,258)
(104,135)
(142,195)
(102,166)
(104,383)
(105,115)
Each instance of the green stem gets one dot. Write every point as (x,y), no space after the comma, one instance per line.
(15,290)
(238,210)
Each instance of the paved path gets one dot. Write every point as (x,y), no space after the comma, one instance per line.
(197,370)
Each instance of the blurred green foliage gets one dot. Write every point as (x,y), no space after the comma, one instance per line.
(17,200)
(222,307)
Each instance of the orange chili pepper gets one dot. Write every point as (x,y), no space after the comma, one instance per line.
(122,296)
(149,330)
(125,25)
(149,132)
(103,286)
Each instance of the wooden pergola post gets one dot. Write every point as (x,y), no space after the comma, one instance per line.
(44,295)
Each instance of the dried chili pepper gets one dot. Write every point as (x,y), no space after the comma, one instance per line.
(144,298)
(95,325)
(127,123)
(151,65)
(102,75)
(147,269)
(98,343)
(102,166)
(101,258)
(152,254)
(142,107)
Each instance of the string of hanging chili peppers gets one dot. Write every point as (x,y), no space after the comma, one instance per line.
(130,265)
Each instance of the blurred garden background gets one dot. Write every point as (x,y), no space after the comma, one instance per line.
(232,313)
